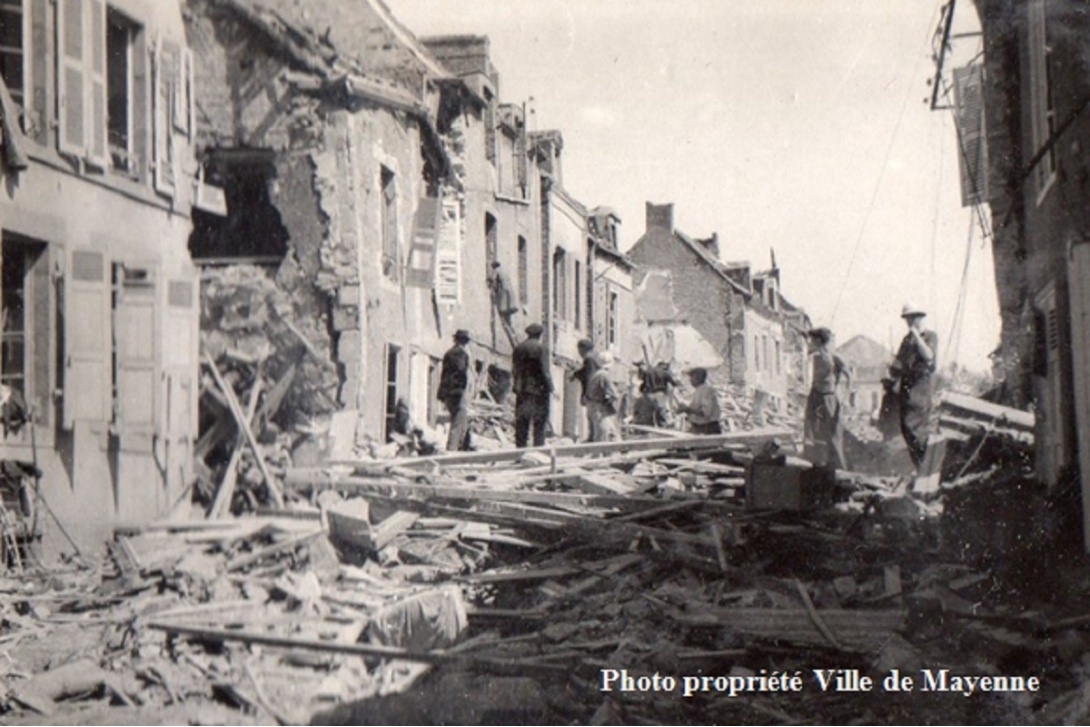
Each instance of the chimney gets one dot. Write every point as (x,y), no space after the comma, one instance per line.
(711,244)
(660,216)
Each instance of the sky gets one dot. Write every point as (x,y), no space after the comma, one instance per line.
(794,125)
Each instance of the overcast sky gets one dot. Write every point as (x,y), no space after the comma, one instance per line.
(777,124)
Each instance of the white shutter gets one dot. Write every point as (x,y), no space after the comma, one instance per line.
(135,332)
(448,258)
(165,78)
(86,337)
(71,81)
(97,149)
(179,363)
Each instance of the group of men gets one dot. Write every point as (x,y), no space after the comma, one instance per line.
(910,386)
(532,385)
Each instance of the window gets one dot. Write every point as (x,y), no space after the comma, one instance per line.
(560,284)
(24,342)
(120,38)
(392,353)
(611,321)
(13,49)
(490,126)
(1043,119)
(578,307)
(779,359)
(524,271)
(756,353)
(390,248)
(491,243)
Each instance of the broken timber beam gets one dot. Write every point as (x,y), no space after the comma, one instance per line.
(300,478)
(244,426)
(711,441)
(335,647)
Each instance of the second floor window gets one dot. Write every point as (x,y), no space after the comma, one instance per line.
(1043,119)
(389,224)
(120,40)
(12,49)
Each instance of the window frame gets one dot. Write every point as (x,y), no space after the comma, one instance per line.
(391,245)
(1042,99)
(25,50)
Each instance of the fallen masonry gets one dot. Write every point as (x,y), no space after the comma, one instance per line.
(635,581)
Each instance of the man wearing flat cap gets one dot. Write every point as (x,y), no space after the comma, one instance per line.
(454,390)
(913,369)
(533,385)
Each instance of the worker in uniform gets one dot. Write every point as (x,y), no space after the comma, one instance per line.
(703,410)
(822,425)
(583,375)
(533,387)
(913,369)
(453,391)
(603,401)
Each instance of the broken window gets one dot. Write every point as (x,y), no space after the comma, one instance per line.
(1043,118)
(390,249)
(121,36)
(12,49)
(24,341)
(524,271)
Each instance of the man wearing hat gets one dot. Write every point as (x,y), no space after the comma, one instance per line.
(822,427)
(533,385)
(583,375)
(603,401)
(913,369)
(453,391)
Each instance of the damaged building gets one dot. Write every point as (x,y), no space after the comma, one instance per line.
(730,319)
(1024,157)
(99,294)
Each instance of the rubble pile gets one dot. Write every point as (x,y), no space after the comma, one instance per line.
(263,368)
(536,580)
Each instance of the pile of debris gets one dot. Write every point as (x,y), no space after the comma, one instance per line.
(533,580)
(266,389)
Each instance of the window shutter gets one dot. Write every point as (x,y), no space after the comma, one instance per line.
(448,260)
(421,266)
(166,60)
(71,84)
(601,312)
(134,344)
(97,151)
(179,354)
(87,337)
(972,152)
(39,110)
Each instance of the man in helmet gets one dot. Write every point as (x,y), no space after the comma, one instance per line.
(914,369)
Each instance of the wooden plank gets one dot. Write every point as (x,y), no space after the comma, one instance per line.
(226,489)
(857,629)
(715,441)
(336,647)
(300,478)
(236,412)
(979,408)
(391,527)
(242,561)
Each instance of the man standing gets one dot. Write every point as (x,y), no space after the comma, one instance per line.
(453,390)
(703,410)
(602,401)
(583,376)
(913,369)
(822,425)
(533,385)
(658,385)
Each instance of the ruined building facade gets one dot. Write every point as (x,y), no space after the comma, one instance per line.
(1036,93)
(100,300)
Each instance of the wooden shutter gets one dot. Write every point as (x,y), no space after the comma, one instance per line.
(421,265)
(601,313)
(71,81)
(97,149)
(165,78)
(972,143)
(448,263)
(134,351)
(39,109)
(179,366)
(86,337)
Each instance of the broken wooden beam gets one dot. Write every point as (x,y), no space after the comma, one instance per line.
(356,649)
(689,442)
